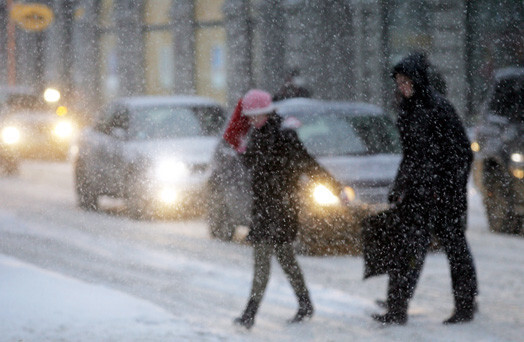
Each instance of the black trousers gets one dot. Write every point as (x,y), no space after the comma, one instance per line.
(448,226)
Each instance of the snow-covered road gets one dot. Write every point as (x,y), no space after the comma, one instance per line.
(167,281)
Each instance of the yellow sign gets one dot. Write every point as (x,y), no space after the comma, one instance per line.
(32,16)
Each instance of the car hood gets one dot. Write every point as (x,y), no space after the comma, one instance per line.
(191,150)
(375,170)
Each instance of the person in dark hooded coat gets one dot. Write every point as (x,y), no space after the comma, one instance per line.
(276,159)
(429,195)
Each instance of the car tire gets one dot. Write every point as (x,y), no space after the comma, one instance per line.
(219,219)
(86,195)
(498,201)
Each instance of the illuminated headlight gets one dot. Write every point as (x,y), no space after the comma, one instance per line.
(170,171)
(518,173)
(517,157)
(10,135)
(63,130)
(51,95)
(323,196)
(168,195)
(475,146)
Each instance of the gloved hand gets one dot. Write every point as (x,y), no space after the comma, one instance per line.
(395,197)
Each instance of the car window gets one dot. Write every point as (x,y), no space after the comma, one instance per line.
(211,119)
(21,103)
(108,119)
(507,98)
(330,135)
(379,133)
(164,122)
(337,134)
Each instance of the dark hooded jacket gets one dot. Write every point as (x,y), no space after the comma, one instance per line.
(436,151)
(276,159)
(431,182)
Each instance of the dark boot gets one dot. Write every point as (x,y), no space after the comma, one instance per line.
(247,320)
(397,312)
(464,312)
(305,310)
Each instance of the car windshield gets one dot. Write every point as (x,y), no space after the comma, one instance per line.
(508,98)
(21,103)
(166,122)
(336,134)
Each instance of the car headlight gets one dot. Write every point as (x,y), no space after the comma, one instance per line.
(170,170)
(63,130)
(517,157)
(168,195)
(323,196)
(10,135)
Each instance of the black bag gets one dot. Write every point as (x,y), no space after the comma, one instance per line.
(382,236)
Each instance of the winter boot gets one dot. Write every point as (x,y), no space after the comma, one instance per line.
(247,320)
(400,318)
(397,313)
(464,312)
(305,310)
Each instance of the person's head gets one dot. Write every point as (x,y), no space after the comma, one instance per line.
(411,75)
(257,106)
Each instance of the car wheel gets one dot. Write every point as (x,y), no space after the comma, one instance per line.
(221,225)
(86,195)
(498,201)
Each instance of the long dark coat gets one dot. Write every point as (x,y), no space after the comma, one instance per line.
(430,189)
(436,151)
(276,159)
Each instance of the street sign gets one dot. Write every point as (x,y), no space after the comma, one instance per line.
(32,16)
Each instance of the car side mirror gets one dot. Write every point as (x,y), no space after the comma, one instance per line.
(119,133)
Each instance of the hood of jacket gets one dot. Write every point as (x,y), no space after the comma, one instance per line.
(416,67)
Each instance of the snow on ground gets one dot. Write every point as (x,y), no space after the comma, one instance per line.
(39,305)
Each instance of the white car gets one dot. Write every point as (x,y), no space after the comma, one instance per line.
(152,151)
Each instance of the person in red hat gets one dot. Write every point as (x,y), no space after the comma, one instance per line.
(276,159)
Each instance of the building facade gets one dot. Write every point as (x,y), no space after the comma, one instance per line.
(100,49)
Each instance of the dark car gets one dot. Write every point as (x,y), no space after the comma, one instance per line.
(356,142)
(40,129)
(499,143)
(154,152)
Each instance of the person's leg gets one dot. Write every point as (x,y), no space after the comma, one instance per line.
(403,278)
(287,260)
(262,266)
(462,268)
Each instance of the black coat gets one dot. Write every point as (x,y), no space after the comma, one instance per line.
(276,159)
(430,190)
(436,154)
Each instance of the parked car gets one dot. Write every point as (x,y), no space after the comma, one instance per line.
(37,128)
(153,152)
(499,143)
(356,142)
